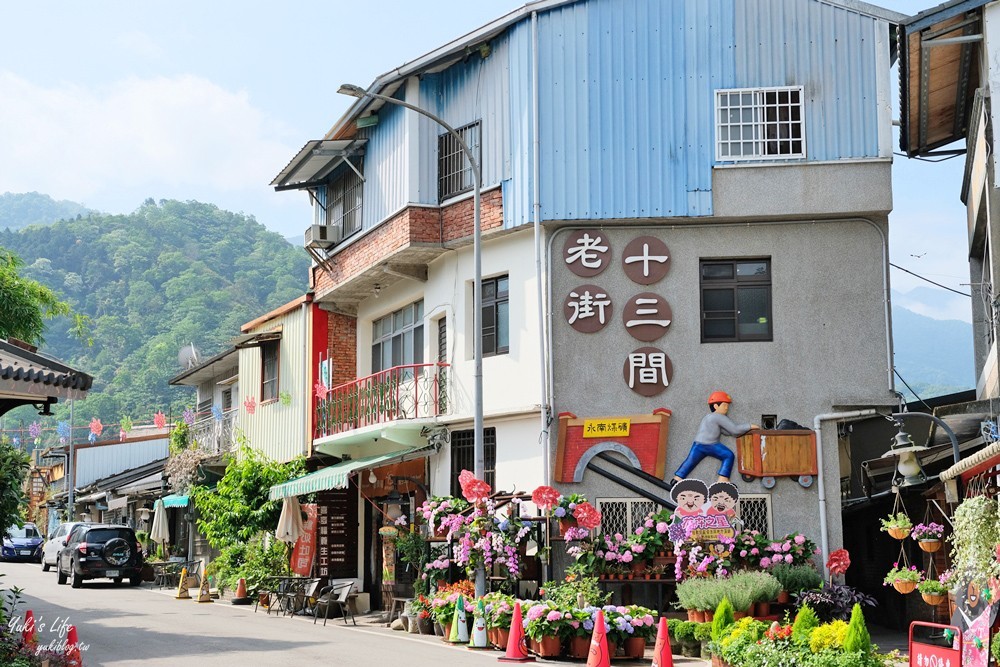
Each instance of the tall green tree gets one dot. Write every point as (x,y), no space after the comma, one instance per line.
(26,304)
(13,471)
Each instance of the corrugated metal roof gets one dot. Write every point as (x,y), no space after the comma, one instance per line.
(332,477)
(314,161)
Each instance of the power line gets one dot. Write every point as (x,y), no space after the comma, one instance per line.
(911,389)
(896,266)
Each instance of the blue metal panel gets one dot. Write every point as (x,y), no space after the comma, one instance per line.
(627,100)
(385,188)
(829,51)
(94,463)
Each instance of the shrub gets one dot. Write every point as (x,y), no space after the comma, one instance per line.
(700,594)
(565,594)
(805,622)
(828,636)
(703,631)
(722,619)
(794,578)
(833,601)
(857,637)
(685,631)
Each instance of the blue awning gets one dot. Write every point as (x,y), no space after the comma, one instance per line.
(175,500)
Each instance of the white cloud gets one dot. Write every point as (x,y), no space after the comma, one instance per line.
(182,137)
(140,45)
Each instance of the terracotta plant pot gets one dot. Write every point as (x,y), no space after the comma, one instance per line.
(446,628)
(762,609)
(635,648)
(565,524)
(709,615)
(699,616)
(904,587)
(783,597)
(579,647)
(638,567)
(737,615)
(933,600)
(898,533)
(930,546)
(549,647)
(503,634)
(690,613)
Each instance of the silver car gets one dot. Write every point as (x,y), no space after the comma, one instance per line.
(52,546)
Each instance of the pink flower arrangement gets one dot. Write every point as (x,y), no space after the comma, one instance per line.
(545,497)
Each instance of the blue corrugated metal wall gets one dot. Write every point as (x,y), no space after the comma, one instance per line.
(627,99)
(827,50)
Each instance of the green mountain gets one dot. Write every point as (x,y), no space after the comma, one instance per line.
(33,208)
(933,356)
(164,276)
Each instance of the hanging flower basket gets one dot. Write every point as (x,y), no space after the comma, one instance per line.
(898,533)
(904,587)
(933,600)
(930,546)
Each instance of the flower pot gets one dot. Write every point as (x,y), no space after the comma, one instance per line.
(762,609)
(783,597)
(579,647)
(898,533)
(638,567)
(904,587)
(446,627)
(425,626)
(635,648)
(699,616)
(491,637)
(503,634)
(709,615)
(737,615)
(930,546)
(533,645)
(565,524)
(438,629)
(405,620)
(933,600)
(549,646)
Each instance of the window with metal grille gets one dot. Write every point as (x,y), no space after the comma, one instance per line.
(622,515)
(442,357)
(398,338)
(227,400)
(755,511)
(463,457)
(454,171)
(269,370)
(735,300)
(759,124)
(496,316)
(338,204)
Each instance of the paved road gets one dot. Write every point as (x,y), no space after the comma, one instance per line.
(126,626)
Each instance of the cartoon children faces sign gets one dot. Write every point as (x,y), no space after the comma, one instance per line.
(706,513)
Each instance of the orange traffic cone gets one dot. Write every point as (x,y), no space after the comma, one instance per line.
(28,631)
(73,648)
(517,650)
(241,593)
(662,655)
(599,656)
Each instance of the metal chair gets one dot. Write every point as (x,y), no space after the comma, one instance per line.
(338,596)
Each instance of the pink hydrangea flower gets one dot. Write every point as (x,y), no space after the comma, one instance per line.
(788,558)
(662,527)
(649,523)
(799,539)
(743,553)
(553,615)
(627,557)
(765,562)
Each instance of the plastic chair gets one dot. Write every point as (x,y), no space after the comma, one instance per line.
(338,596)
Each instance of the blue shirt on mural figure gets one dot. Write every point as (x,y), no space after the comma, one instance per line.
(707,441)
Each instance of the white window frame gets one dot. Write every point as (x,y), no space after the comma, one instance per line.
(757,106)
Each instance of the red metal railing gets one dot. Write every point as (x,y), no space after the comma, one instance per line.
(402,392)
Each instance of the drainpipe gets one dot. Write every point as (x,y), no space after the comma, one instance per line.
(539,273)
(824,538)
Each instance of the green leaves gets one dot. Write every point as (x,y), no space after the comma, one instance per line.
(13,471)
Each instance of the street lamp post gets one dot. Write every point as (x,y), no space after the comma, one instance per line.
(479,456)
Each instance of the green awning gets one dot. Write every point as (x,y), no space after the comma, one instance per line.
(175,500)
(335,476)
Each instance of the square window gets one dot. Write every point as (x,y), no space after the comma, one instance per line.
(766,121)
(736,300)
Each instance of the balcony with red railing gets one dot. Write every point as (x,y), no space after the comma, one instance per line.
(411,391)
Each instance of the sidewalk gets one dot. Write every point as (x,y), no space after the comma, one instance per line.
(370,624)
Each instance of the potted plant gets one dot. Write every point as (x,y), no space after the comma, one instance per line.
(794,578)
(703,634)
(903,579)
(675,643)
(974,537)
(933,591)
(928,536)
(579,633)
(638,625)
(690,647)
(897,525)
(546,626)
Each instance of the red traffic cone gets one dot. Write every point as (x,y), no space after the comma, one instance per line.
(662,655)
(517,650)
(599,656)
(28,631)
(73,648)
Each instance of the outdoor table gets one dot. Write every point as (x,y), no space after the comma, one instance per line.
(284,589)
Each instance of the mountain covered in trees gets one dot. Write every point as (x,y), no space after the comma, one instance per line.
(33,208)
(167,275)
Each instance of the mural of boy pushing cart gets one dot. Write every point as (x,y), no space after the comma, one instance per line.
(707,441)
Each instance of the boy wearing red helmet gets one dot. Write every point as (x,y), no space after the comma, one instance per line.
(707,441)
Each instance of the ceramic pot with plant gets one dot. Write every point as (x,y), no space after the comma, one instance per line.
(903,579)
(933,591)
(897,525)
(928,536)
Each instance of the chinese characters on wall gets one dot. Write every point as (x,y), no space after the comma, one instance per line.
(589,308)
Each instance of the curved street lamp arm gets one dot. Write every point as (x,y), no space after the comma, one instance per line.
(898,417)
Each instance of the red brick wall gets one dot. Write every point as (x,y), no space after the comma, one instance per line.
(343,347)
(413,225)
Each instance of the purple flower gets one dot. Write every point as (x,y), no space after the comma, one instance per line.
(560,512)
(588,625)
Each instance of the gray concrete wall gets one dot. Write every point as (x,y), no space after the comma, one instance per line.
(828,353)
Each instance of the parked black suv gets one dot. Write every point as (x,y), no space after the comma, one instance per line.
(100,550)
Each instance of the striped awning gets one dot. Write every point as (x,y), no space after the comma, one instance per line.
(336,476)
(175,500)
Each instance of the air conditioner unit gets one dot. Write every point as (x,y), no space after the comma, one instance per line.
(321,236)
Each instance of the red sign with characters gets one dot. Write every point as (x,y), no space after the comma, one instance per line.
(643,443)
(932,655)
(305,547)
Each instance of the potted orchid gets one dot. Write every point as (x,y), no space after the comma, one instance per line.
(897,525)
(928,536)
(440,513)
(903,579)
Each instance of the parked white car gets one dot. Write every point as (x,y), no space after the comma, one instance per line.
(50,550)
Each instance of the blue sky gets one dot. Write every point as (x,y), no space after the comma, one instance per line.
(110,102)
